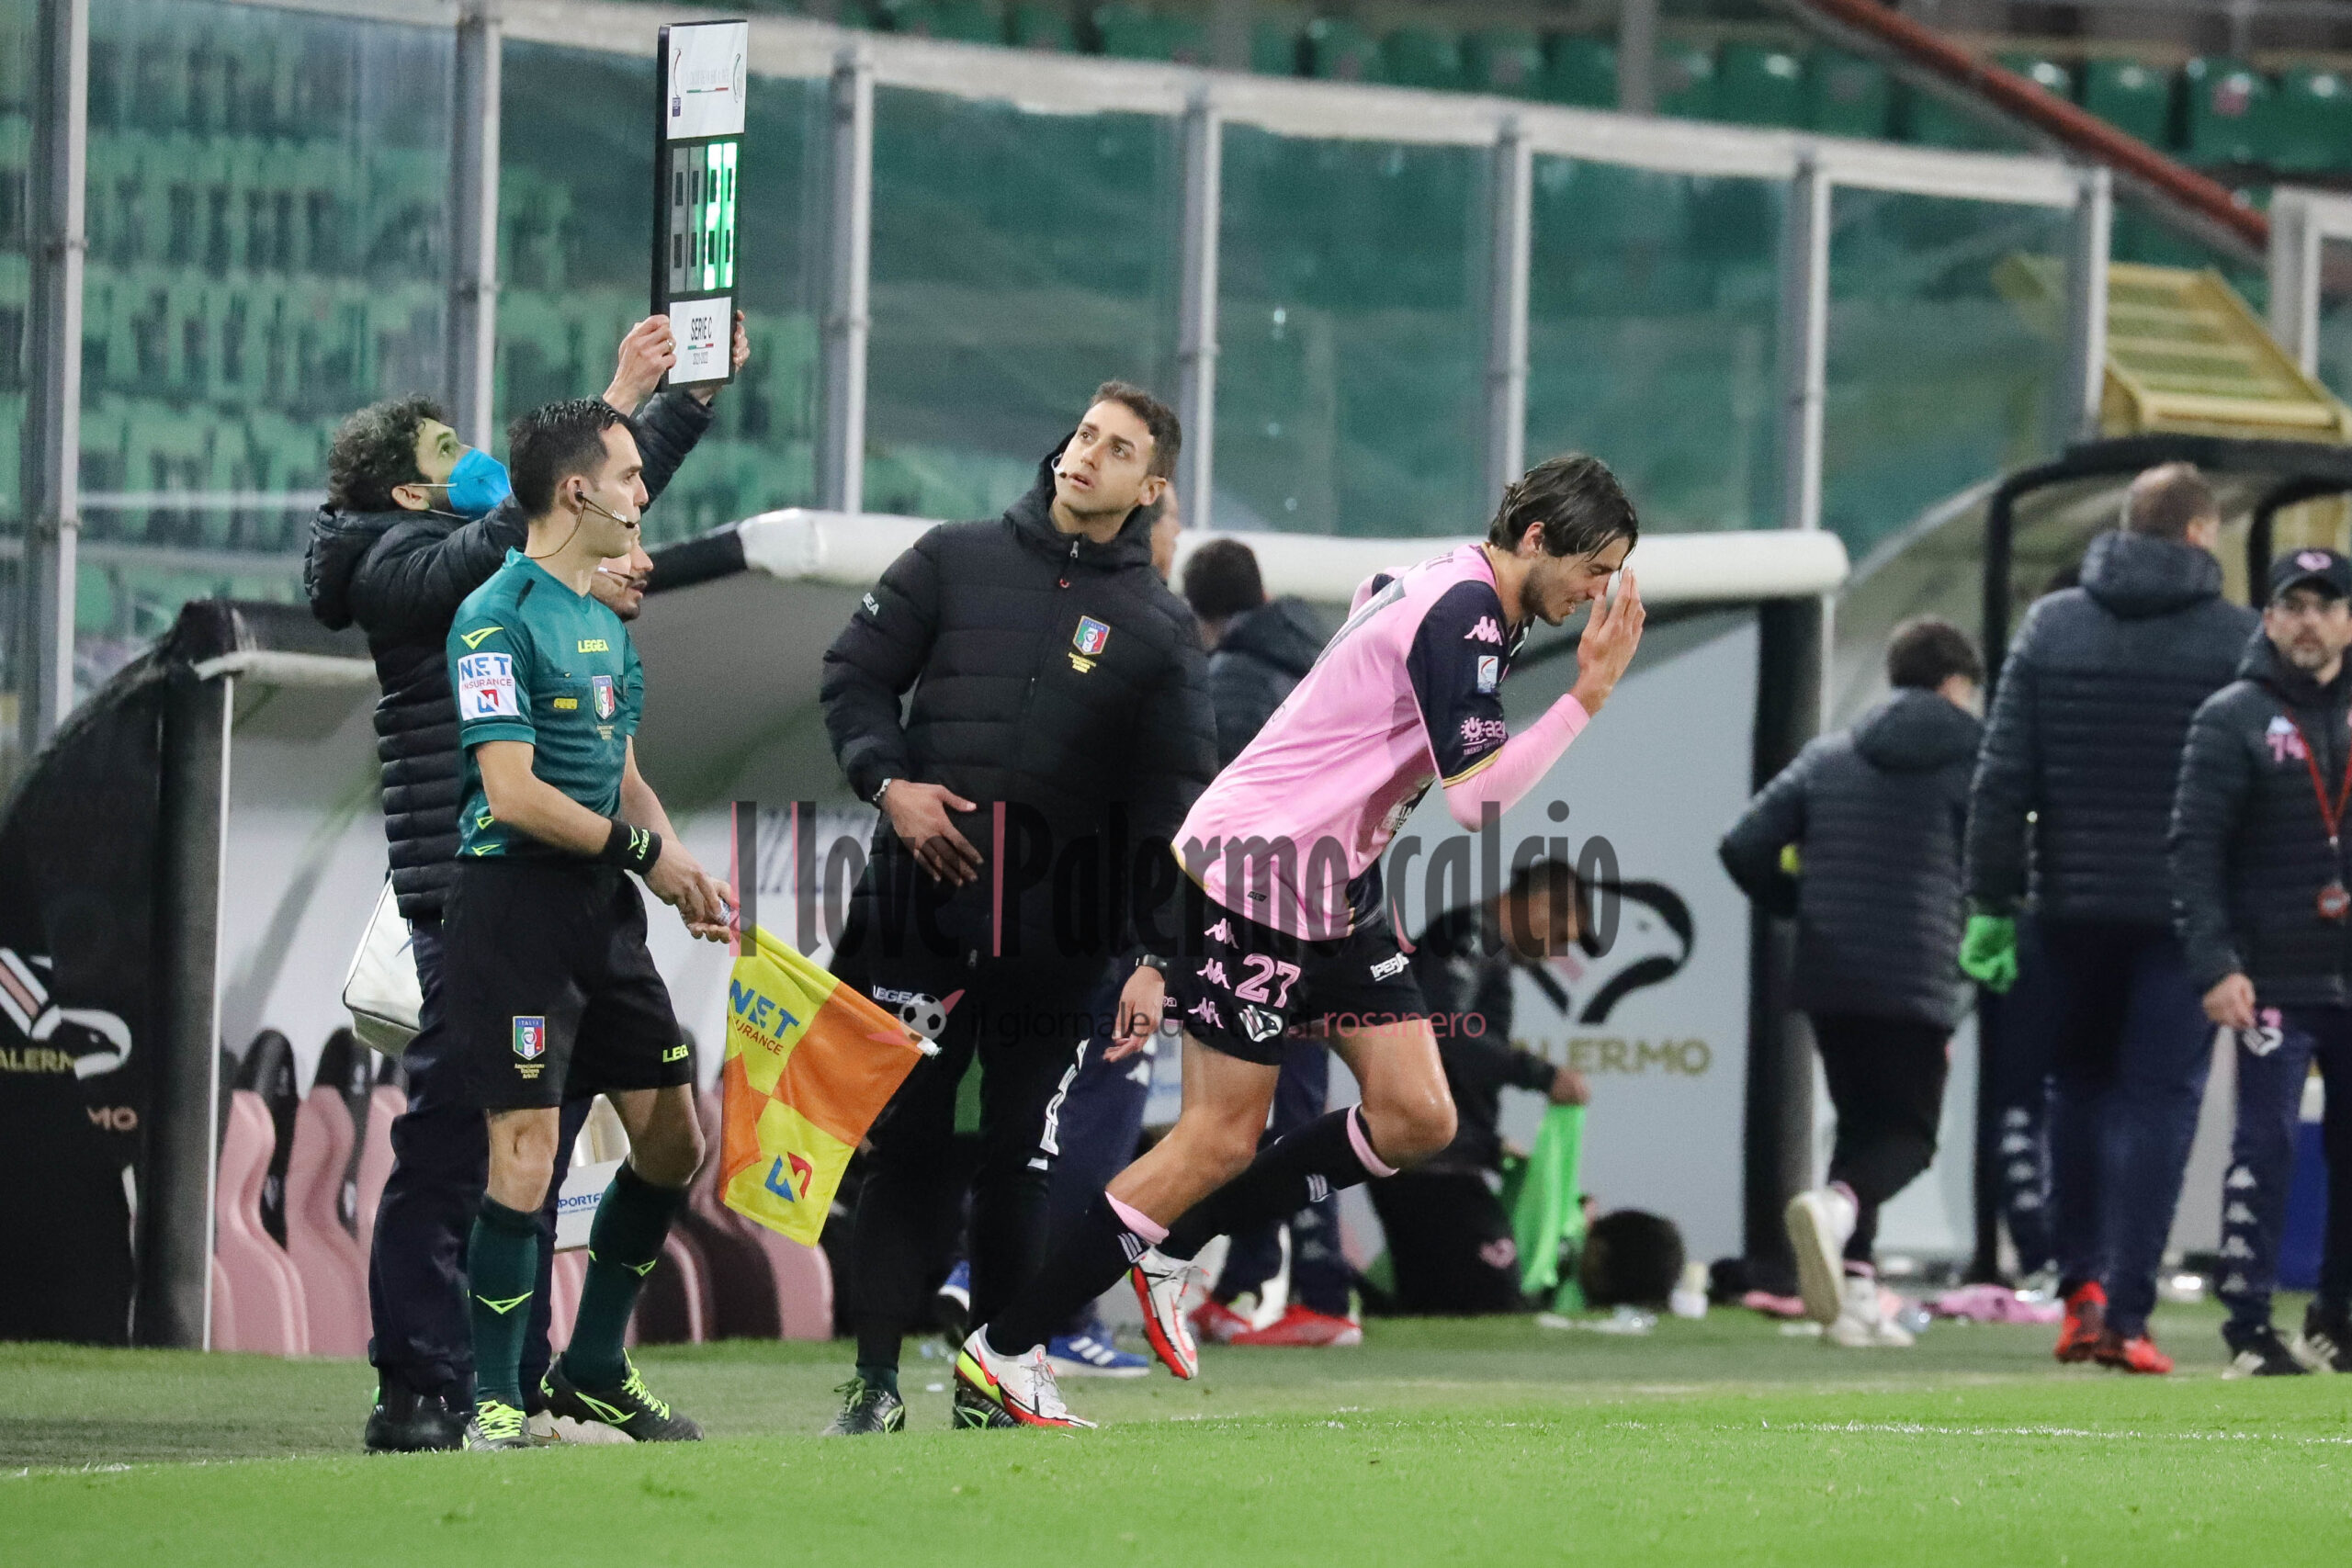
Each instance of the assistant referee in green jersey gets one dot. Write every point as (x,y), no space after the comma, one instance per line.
(548,987)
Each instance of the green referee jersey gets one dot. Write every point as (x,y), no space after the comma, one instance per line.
(529,659)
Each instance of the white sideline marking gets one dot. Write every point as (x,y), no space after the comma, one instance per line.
(1920,1429)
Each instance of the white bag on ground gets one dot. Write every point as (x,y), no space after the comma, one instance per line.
(381,991)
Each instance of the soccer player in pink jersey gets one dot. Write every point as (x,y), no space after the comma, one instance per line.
(1286,844)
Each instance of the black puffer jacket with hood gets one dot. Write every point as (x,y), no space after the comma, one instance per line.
(1878,816)
(399,576)
(2087,728)
(1263,653)
(1050,674)
(2249,847)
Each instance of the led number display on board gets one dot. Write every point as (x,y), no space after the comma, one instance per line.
(699,141)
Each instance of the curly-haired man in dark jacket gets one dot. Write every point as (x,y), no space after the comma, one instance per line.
(2258,875)
(1874,816)
(416,520)
(2075,780)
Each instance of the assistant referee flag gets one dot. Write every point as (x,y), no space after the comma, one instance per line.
(809,1064)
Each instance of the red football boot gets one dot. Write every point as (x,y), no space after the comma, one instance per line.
(2137,1354)
(1305,1327)
(1218,1323)
(2085,1321)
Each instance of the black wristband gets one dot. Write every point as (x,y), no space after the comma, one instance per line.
(631,848)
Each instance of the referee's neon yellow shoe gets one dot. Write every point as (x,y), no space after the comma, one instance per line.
(495,1424)
(629,1408)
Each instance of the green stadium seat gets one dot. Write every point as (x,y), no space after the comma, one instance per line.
(2052,77)
(1580,70)
(2231,112)
(2134,99)
(1423,57)
(1505,61)
(2313,116)
(1129,32)
(1039,26)
(1339,51)
(959,21)
(1760,85)
(1276,45)
(1686,80)
(1849,96)
(1930,122)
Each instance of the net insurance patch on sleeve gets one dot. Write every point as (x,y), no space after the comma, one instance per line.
(486,686)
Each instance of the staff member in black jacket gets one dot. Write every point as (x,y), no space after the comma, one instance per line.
(1060,718)
(1449,1239)
(2084,740)
(2258,875)
(1875,817)
(415,520)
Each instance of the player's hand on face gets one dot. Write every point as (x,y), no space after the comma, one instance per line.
(918,814)
(647,354)
(1140,1002)
(1568,1088)
(1610,634)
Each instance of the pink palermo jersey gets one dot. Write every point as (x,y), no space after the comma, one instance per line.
(1403,694)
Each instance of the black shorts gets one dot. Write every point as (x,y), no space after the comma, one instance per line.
(1248,990)
(547,989)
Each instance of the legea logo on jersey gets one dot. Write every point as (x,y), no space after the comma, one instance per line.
(606,702)
(1485,631)
(486,686)
(530,1038)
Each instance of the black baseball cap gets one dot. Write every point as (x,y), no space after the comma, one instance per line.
(2322,568)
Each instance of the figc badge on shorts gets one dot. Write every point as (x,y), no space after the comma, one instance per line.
(605,701)
(530,1038)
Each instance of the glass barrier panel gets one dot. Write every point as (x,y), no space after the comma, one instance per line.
(1020,260)
(1352,337)
(1652,340)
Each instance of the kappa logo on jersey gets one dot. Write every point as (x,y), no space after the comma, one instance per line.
(607,703)
(1260,1025)
(1392,964)
(530,1038)
(1090,638)
(1213,972)
(1205,1010)
(1490,673)
(486,686)
(1221,932)
(1485,631)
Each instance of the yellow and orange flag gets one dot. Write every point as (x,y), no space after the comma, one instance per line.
(809,1064)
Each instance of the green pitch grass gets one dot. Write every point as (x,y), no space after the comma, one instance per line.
(1494,1442)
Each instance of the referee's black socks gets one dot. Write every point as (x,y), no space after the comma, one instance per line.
(625,1243)
(502,1274)
(1328,1153)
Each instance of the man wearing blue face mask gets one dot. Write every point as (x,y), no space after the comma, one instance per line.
(416,521)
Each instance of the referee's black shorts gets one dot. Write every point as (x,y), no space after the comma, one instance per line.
(547,989)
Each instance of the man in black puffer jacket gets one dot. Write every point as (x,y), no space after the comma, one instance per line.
(2259,873)
(1061,711)
(416,521)
(1876,817)
(1258,650)
(2084,737)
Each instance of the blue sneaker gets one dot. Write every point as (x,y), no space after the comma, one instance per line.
(952,1305)
(1089,1353)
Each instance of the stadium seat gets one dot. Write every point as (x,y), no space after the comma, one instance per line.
(1276,44)
(1507,61)
(257,1296)
(1423,57)
(1686,79)
(1579,70)
(2230,112)
(1760,85)
(1339,51)
(1033,25)
(387,1103)
(1930,122)
(2131,97)
(332,1264)
(2049,75)
(1847,95)
(1129,32)
(2314,119)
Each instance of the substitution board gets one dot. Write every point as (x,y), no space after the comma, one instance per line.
(699,142)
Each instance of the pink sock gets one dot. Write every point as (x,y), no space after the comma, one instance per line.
(1136,1220)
